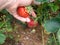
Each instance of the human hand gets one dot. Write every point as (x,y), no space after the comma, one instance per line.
(12,9)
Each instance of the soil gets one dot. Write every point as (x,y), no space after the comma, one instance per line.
(27,36)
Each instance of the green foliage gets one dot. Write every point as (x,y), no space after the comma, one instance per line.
(57,18)
(7,16)
(45,16)
(5,26)
(51,26)
(52,40)
(54,7)
(43,12)
(2,38)
(48,15)
(43,0)
(58,35)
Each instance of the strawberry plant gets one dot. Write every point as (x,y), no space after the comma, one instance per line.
(48,16)
(5,26)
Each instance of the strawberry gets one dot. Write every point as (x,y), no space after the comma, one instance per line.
(32,24)
(21,11)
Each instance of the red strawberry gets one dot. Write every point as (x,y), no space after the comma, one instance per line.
(22,12)
(32,24)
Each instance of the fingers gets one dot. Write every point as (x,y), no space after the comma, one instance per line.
(33,13)
(21,18)
(14,13)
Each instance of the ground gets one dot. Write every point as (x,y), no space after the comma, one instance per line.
(27,36)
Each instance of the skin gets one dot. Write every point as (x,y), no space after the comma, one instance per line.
(11,7)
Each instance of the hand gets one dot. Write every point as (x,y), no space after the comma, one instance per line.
(11,8)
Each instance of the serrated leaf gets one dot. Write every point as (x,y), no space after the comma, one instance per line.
(2,38)
(51,26)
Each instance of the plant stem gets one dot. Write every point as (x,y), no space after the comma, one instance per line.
(42,37)
(54,38)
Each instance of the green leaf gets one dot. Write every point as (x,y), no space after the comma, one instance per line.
(9,17)
(51,40)
(9,27)
(57,18)
(51,26)
(1,24)
(53,7)
(2,38)
(58,35)
(2,30)
(10,36)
